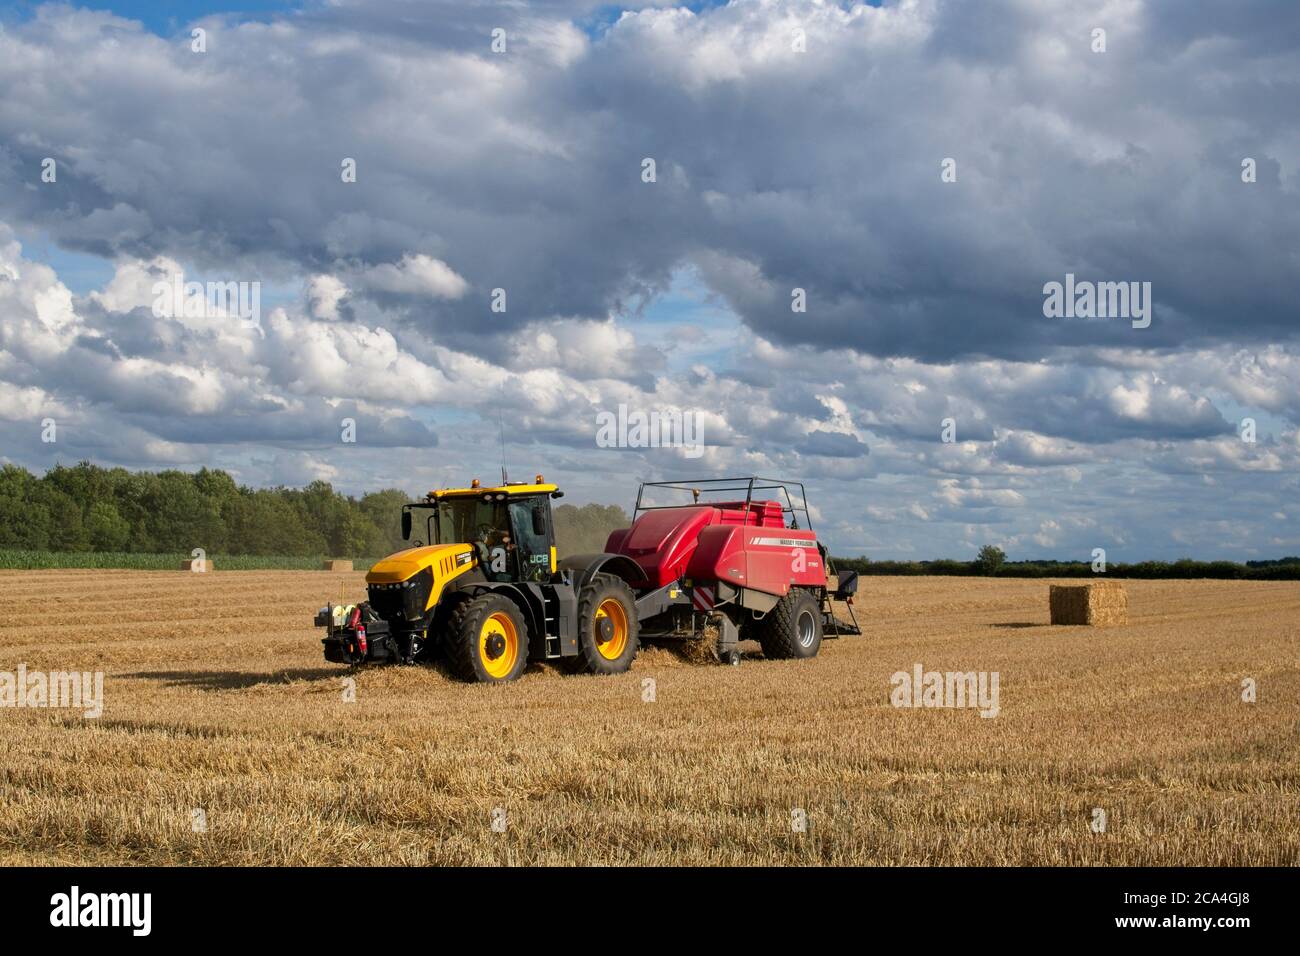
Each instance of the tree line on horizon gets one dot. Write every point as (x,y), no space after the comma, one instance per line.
(85,508)
(1281,569)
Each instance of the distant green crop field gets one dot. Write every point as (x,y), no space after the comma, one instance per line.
(13,560)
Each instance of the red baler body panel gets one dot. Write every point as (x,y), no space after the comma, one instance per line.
(661,541)
(722,542)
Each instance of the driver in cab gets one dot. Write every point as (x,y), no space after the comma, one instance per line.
(496,551)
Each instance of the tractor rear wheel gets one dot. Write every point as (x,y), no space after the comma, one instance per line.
(792,629)
(607,628)
(487,640)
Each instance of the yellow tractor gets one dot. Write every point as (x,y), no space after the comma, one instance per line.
(487,593)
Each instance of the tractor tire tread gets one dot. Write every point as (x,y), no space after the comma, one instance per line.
(585,661)
(464,624)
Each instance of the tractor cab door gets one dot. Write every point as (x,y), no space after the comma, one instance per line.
(534,537)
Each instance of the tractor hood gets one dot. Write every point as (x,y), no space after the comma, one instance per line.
(445,560)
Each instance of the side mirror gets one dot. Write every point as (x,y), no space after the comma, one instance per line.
(406,526)
(539,521)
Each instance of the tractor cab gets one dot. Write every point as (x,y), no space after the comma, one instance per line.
(510,527)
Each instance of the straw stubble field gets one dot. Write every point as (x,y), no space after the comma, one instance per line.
(216,699)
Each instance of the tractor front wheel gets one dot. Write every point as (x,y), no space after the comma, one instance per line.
(607,628)
(792,629)
(487,640)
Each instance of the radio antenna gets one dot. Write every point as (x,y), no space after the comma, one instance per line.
(502,423)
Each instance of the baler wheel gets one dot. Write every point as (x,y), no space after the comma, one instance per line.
(792,629)
(607,628)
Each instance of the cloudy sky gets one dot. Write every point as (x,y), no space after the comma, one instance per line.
(920,170)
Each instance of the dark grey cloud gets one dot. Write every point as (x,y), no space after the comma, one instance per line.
(819,169)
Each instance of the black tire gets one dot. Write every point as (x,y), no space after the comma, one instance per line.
(592,656)
(438,635)
(793,629)
(469,643)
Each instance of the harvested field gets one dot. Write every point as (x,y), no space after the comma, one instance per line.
(217,699)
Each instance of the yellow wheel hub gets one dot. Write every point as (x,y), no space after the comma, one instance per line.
(612,611)
(498,645)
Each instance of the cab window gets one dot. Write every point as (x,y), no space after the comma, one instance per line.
(532,538)
(485,525)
